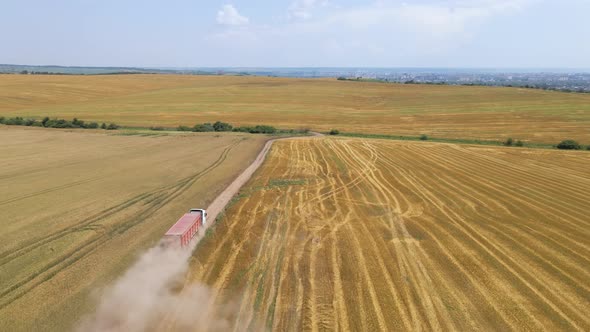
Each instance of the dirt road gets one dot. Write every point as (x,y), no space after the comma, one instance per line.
(170,319)
(225,197)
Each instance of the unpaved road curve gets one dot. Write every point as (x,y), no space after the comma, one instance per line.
(167,323)
(225,197)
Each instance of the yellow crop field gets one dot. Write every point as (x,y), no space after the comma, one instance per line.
(320,104)
(375,235)
(77,207)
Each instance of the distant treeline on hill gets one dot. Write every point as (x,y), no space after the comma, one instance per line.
(26,72)
(56,123)
(74,70)
(523,86)
(139,72)
(530,86)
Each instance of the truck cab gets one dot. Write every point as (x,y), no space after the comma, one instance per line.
(203,213)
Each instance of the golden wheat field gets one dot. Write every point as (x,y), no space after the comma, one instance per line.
(77,207)
(320,104)
(355,234)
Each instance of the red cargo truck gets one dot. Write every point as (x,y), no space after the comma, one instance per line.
(185,228)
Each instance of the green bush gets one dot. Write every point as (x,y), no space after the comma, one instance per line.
(334,132)
(204,127)
(242,129)
(588,148)
(30,122)
(157,128)
(59,123)
(17,121)
(112,126)
(508,142)
(262,129)
(292,131)
(50,123)
(2,119)
(568,144)
(423,137)
(184,128)
(78,123)
(259,129)
(222,126)
(519,143)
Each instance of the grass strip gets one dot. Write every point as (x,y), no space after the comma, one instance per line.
(446,140)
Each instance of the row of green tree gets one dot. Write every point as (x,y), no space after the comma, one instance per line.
(224,126)
(56,123)
(511,142)
(570,144)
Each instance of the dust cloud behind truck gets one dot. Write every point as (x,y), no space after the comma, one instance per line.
(182,232)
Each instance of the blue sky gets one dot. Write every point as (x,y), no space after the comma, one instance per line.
(297,33)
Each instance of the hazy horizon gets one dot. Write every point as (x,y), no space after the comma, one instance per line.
(236,68)
(476,34)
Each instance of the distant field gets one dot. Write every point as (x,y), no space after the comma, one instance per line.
(76,207)
(371,235)
(321,104)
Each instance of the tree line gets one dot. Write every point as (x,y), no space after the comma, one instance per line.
(226,127)
(200,127)
(56,123)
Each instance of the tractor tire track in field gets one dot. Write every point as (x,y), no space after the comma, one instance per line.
(215,208)
(49,190)
(7,256)
(383,235)
(164,195)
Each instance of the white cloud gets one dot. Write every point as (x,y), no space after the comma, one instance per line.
(302,9)
(385,33)
(229,15)
(426,26)
(429,15)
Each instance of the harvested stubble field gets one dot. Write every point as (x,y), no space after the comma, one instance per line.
(77,207)
(354,234)
(320,104)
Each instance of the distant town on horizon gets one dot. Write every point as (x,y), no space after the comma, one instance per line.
(561,79)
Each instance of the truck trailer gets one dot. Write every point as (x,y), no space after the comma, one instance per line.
(182,232)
